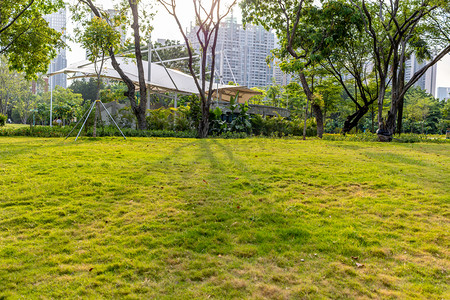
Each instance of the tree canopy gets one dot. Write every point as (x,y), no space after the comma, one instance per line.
(25,36)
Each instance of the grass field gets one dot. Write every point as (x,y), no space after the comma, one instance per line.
(193,219)
(15,126)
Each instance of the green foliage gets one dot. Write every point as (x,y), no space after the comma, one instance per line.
(26,38)
(422,112)
(97,37)
(63,131)
(217,126)
(279,126)
(66,104)
(160,119)
(3,119)
(169,119)
(194,114)
(87,89)
(114,92)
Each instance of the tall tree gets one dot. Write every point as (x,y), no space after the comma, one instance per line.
(138,106)
(351,65)
(87,89)
(97,37)
(208,19)
(308,34)
(22,27)
(9,84)
(393,27)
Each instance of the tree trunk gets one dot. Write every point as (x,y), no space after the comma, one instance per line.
(372,117)
(353,119)
(137,109)
(142,107)
(400,104)
(306,118)
(316,109)
(319,119)
(203,129)
(94,128)
(384,135)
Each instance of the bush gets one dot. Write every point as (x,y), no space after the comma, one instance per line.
(279,126)
(371,137)
(3,120)
(169,119)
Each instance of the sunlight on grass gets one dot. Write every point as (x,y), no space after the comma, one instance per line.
(250,218)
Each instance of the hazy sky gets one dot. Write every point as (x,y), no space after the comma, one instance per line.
(165,27)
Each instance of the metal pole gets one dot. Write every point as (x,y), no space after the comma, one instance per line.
(77,124)
(149,68)
(92,106)
(112,119)
(51,101)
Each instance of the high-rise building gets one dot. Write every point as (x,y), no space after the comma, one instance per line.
(241,54)
(58,22)
(428,80)
(443,93)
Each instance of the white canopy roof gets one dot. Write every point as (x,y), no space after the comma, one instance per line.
(162,80)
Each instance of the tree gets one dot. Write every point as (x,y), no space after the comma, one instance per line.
(9,85)
(23,102)
(350,64)
(66,104)
(394,28)
(208,21)
(87,89)
(22,27)
(137,106)
(308,34)
(273,94)
(97,38)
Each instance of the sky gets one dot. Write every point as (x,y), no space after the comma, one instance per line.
(166,28)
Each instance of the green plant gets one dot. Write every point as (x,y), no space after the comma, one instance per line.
(3,119)
(241,122)
(160,119)
(195,113)
(216,124)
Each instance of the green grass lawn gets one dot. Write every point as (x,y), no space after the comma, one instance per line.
(15,126)
(193,219)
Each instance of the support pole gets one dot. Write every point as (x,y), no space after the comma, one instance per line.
(51,101)
(149,68)
(87,117)
(112,118)
(77,123)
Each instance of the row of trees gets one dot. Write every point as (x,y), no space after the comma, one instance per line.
(368,41)
(422,112)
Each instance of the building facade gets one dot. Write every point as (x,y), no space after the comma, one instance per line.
(443,93)
(241,55)
(428,81)
(58,22)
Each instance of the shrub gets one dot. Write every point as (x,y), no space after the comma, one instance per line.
(160,119)
(279,126)
(3,120)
